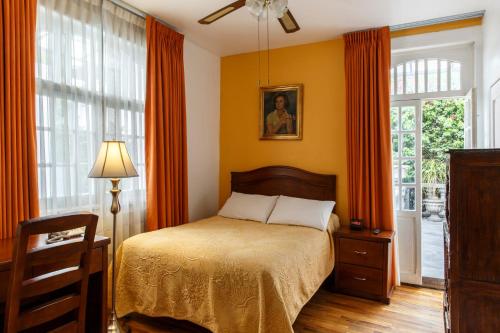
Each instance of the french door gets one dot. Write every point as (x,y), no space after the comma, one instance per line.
(406,152)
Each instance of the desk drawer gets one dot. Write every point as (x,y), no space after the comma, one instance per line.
(360,279)
(359,252)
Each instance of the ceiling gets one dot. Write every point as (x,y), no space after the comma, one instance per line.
(319,19)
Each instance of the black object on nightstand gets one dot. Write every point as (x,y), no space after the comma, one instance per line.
(356,224)
(362,263)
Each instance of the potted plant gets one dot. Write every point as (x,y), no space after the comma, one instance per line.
(433,174)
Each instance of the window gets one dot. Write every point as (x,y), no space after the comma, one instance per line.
(400,79)
(410,77)
(90,86)
(404,154)
(432,75)
(425,76)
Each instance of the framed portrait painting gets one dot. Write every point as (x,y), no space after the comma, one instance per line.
(281,112)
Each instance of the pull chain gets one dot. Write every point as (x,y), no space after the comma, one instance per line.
(268,51)
(268,56)
(258,47)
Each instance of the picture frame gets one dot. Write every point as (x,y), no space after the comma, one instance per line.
(281,112)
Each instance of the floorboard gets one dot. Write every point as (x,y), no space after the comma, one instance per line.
(412,310)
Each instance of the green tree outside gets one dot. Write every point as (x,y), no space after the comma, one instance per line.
(442,129)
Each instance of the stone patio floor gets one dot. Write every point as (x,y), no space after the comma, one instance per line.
(432,249)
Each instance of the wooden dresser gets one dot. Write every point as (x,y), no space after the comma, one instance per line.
(362,263)
(472,242)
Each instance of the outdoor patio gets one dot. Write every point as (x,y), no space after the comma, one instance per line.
(432,230)
(432,249)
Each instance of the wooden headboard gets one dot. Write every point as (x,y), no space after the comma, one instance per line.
(284,180)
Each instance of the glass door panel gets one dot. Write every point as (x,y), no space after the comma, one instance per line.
(406,138)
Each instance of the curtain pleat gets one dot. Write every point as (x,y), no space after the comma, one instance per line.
(367,68)
(166,152)
(18,164)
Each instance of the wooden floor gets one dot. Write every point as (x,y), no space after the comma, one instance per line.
(411,310)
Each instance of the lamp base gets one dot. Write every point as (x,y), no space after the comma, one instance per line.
(113,326)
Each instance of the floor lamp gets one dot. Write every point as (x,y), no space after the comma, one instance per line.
(113,162)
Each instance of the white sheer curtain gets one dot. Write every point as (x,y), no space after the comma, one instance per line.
(91,70)
(124,57)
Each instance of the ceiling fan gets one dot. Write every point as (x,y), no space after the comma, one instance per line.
(259,9)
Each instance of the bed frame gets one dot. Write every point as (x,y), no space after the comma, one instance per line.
(271,180)
(285,180)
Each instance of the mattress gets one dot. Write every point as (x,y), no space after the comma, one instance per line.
(223,274)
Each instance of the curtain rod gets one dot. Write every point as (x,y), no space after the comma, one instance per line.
(445,19)
(138,12)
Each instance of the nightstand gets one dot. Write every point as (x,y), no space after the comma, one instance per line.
(362,264)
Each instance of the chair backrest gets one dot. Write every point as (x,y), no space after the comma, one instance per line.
(48,285)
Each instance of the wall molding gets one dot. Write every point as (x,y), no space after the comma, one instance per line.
(438,24)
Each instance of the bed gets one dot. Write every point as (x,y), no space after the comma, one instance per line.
(231,275)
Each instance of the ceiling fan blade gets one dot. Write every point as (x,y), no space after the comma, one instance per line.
(222,12)
(288,22)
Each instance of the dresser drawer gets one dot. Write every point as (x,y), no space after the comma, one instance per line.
(359,252)
(360,279)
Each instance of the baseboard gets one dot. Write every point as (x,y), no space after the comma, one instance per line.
(435,286)
(433,283)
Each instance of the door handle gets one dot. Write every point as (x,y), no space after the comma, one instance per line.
(359,278)
(363,253)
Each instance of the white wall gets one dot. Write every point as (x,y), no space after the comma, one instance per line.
(202,76)
(491,57)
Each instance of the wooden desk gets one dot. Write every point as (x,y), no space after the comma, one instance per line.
(96,318)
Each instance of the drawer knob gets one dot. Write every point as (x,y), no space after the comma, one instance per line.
(359,278)
(363,253)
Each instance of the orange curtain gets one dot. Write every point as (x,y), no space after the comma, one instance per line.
(367,68)
(166,152)
(18,161)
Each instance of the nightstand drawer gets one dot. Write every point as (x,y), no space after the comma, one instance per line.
(360,252)
(359,280)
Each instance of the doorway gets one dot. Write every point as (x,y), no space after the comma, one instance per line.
(422,133)
(431,108)
(443,128)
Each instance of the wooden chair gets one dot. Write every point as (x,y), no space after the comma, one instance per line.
(47,289)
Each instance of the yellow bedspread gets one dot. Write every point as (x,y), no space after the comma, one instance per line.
(223,274)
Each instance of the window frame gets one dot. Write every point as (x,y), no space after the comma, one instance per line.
(97,97)
(460,53)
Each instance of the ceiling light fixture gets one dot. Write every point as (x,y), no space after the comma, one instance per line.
(260,8)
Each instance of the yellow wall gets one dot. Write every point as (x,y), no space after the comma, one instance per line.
(320,67)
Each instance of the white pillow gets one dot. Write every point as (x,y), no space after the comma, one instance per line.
(253,207)
(303,212)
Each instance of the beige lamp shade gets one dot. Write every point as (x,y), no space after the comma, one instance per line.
(113,161)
